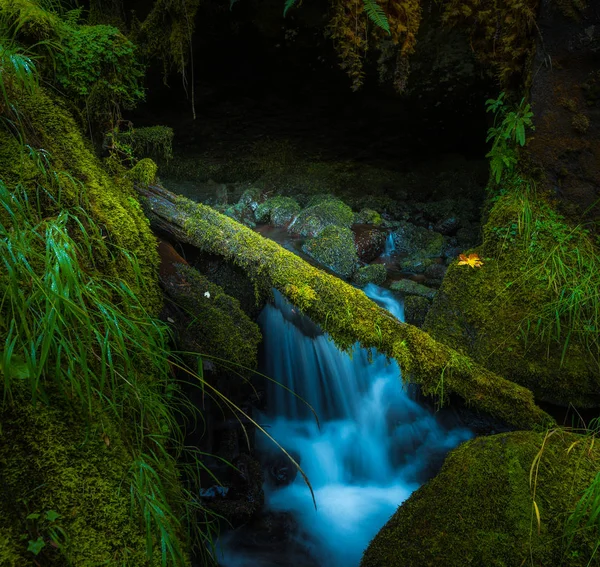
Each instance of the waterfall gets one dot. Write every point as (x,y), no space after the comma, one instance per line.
(390,245)
(375,444)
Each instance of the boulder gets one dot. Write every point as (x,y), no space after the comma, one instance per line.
(479,510)
(411,239)
(278,211)
(334,248)
(415,310)
(320,214)
(369,242)
(408,287)
(374,273)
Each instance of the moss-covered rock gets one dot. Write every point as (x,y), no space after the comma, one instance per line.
(373,273)
(415,310)
(52,460)
(244,210)
(479,509)
(368,216)
(530,312)
(408,287)
(321,213)
(279,211)
(411,239)
(334,248)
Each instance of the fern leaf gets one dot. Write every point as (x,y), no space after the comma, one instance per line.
(376,15)
(288,5)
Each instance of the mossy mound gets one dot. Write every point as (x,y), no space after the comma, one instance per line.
(50,460)
(479,509)
(321,213)
(334,248)
(373,273)
(531,312)
(279,211)
(214,321)
(111,202)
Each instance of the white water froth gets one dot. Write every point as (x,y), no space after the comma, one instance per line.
(375,444)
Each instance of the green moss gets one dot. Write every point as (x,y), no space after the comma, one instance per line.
(143,172)
(321,213)
(215,324)
(368,216)
(415,310)
(580,123)
(155,142)
(50,460)
(279,211)
(478,510)
(408,287)
(348,315)
(110,202)
(373,273)
(418,241)
(334,248)
(513,315)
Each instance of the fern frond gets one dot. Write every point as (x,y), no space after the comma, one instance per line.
(288,5)
(376,14)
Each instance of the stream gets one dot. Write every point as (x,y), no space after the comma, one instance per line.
(374,446)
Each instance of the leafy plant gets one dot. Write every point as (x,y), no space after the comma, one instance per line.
(44,528)
(507,133)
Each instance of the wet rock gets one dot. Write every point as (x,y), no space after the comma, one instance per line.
(334,248)
(280,470)
(408,288)
(435,273)
(369,242)
(321,213)
(411,239)
(243,210)
(278,211)
(416,264)
(375,273)
(415,309)
(448,226)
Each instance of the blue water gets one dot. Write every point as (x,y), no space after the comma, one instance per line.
(375,444)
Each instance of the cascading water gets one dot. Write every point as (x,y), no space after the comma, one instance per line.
(375,444)
(390,245)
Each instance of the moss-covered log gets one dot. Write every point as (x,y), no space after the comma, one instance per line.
(343,311)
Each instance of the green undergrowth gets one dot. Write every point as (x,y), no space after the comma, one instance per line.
(79,344)
(69,162)
(532,312)
(349,316)
(483,506)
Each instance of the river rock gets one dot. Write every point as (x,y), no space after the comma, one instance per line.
(374,273)
(321,213)
(408,287)
(448,226)
(435,273)
(369,242)
(278,211)
(411,239)
(368,216)
(334,248)
(280,470)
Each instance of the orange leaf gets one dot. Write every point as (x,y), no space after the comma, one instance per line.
(472,260)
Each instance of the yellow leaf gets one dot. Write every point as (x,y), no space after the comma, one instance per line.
(472,260)
(106,439)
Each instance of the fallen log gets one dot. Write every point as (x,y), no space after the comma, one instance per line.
(343,311)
